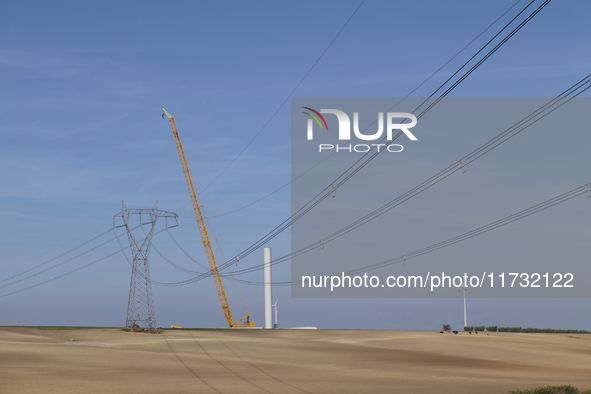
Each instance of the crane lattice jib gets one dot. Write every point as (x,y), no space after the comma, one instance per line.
(201,224)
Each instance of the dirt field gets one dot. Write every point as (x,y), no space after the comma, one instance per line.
(287,361)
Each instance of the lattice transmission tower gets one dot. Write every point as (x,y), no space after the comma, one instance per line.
(140,307)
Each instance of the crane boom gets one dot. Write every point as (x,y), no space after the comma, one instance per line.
(215,273)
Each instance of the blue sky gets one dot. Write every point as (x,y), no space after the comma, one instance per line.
(82,88)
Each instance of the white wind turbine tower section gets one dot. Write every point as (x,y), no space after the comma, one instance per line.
(268,289)
(275,309)
(464,289)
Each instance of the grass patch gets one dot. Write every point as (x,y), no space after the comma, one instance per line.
(61,327)
(119,328)
(565,389)
(211,329)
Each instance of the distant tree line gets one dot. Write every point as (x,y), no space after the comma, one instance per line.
(525,330)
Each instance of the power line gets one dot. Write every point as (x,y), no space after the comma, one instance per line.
(583,189)
(68,243)
(286,99)
(65,261)
(57,265)
(402,99)
(578,191)
(49,251)
(529,120)
(186,270)
(122,250)
(459,52)
(185,252)
(354,168)
(498,140)
(60,276)
(57,257)
(534,117)
(372,153)
(371,157)
(276,190)
(160,253)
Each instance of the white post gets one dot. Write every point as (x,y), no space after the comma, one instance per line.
(465,318)
(267,286)
(275,306)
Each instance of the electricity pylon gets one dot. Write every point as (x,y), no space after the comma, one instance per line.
(140,307)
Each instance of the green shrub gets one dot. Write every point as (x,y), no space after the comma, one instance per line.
(536,330)
(468,328)
(509,329)
(491,328)
(554,331)
(566,389)
(479,328)
(446,327)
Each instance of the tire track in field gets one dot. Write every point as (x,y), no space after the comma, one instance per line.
(226,367)
(188,368)
(258,368)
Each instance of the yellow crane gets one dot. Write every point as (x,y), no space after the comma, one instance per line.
(215,273)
